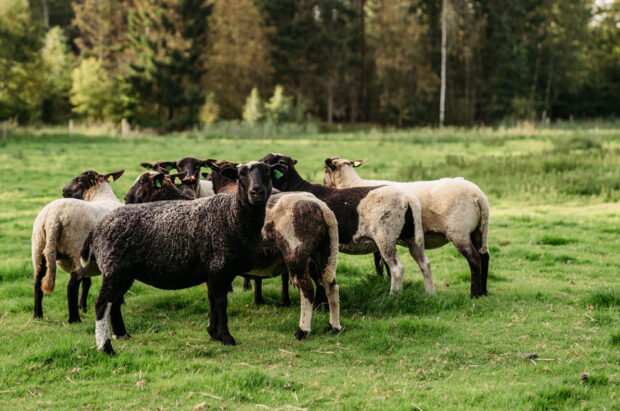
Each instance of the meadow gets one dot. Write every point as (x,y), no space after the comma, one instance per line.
(554,286)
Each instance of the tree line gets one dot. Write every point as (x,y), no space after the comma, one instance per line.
(173,64)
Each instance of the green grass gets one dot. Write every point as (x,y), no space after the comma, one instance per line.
(553,286)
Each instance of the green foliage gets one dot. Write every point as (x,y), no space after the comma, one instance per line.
(278,109)
(57,62)
(92,91)
(210,111)
(253,109)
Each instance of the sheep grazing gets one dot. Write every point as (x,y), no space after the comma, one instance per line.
(179,244)
(191,166)
(155,186)
(59,232)
(369,219)
(300,234)
(453,210)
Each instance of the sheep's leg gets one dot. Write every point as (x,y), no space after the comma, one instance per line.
(476,239)
(378,263)
(86,282)
(38,293)
(113,287)
(102,329)
(246,284)
(221,302)
(320,298)
(419,255)
(211,328)
(116,317)
(485,271)
(467,249)
(390,256)
(73,289)
(333,296)
(285,300)
(306,297)
(258,292)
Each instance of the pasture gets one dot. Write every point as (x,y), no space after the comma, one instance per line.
(554,286)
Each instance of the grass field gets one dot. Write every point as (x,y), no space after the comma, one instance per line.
(554,287)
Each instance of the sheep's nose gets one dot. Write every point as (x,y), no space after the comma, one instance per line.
(257,191)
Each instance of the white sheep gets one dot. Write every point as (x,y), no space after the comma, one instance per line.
(453,210)
(59,232)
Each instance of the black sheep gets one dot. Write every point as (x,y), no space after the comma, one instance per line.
(180,244)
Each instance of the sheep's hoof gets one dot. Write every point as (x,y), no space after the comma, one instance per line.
(107,348)
(259,301)
(227,340)
(301,334)
(212,333)
(334,330)
(83,308)
(37,316)
(75,320)
(125,336)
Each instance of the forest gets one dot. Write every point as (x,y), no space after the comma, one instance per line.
(177,64)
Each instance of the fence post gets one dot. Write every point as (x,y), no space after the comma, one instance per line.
(5,128)
(71,127)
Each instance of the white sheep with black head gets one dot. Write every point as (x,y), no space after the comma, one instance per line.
(59,232)
(453,210)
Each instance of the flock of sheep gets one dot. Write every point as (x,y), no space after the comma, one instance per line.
(265,221)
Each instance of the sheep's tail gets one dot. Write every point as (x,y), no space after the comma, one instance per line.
(52,233)
(329,271)
(38,243)
(483,205)
(86,253)
(418,230)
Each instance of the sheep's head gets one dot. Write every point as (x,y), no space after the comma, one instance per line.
(81,184)
(335,167)
(254,179)
(188,165)
(221,183)
(155,186)
(282,166)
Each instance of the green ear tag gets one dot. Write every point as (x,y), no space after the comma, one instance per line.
(278,174)
(158,184)
(91,182)
(168,168)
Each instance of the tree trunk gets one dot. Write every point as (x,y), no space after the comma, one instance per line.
(330,102)
(363,85)
(547,90)
(442,96)
(46,16)
(534,78)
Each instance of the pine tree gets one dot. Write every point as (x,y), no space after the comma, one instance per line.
(169,39)
(238,55)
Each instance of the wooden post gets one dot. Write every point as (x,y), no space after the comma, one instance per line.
(71,127)
(5,128)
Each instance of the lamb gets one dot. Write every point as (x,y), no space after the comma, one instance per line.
(300,233)
(369,219)
(59,232)
(179,244)
(155,186)
(453,210)
(191,166)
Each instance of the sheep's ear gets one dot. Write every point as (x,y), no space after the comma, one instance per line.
(329,163)
(230,172)
(278,170)
(115,175)
(158,179)
(203,163)
(147,165)
(179,176)
(168,165)
(358,163)
(211,164)
(294,162)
